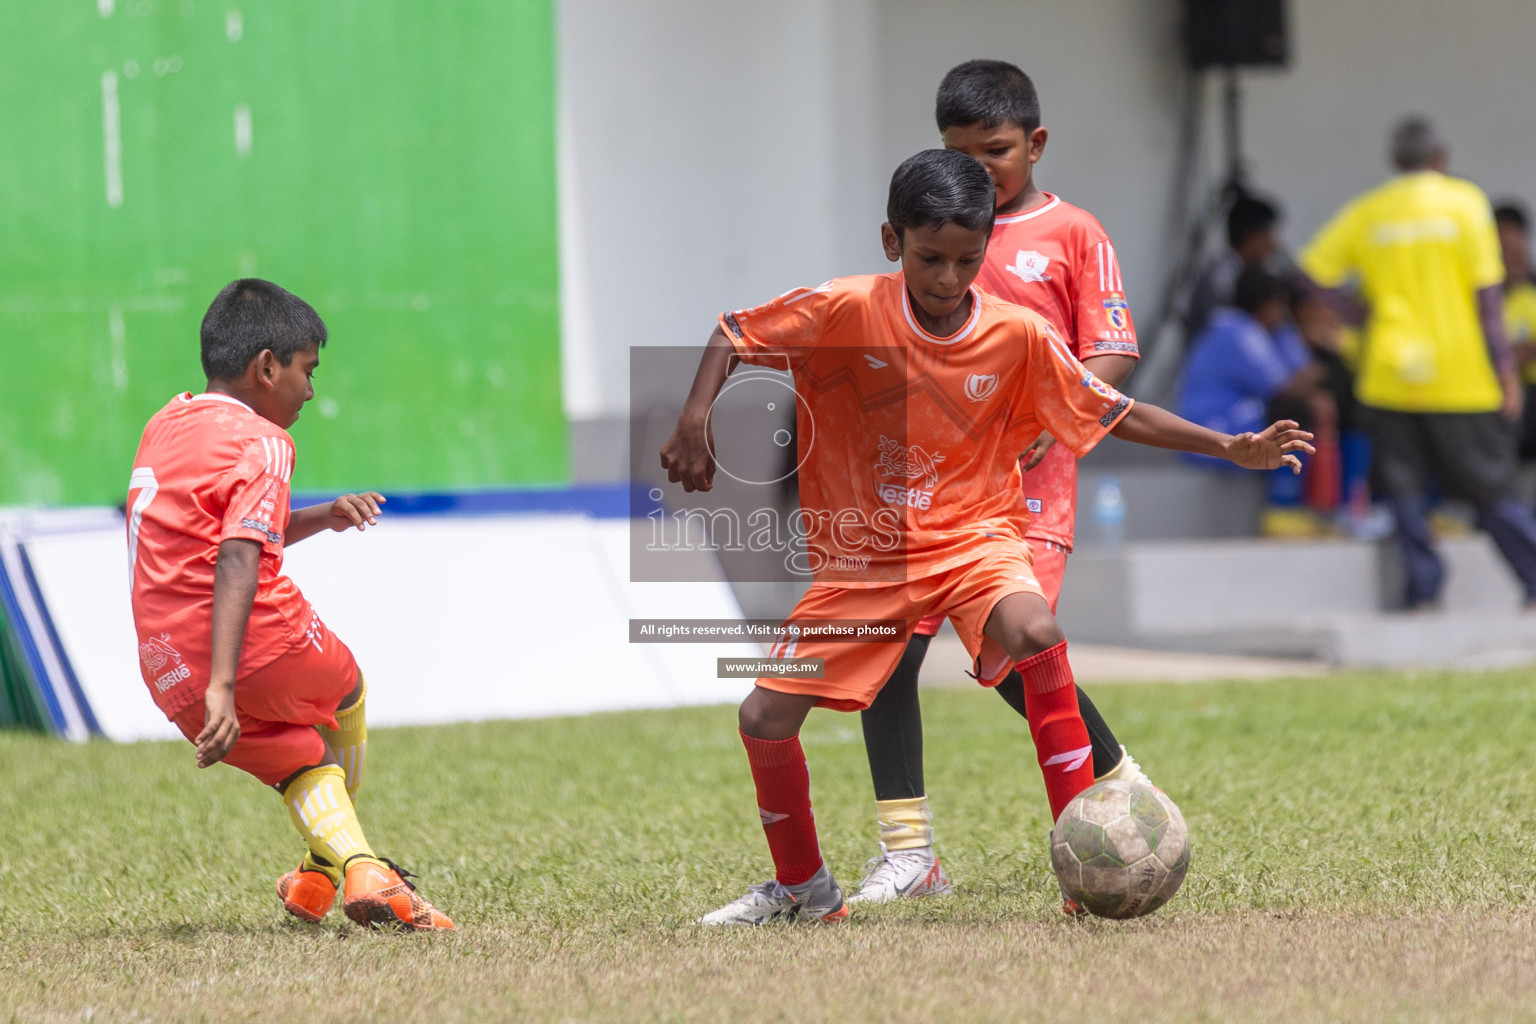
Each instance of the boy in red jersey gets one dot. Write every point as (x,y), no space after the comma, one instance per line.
(229,648)
(914,469)
(1055,259)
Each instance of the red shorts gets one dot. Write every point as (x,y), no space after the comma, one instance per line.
(280,705)
(1050,561)
(856,671)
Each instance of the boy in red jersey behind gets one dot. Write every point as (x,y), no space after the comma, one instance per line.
(229,648)
(912,462)
(1057,260)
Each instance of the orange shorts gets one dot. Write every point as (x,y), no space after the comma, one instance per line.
(855,672)
(1050,562)
(279,706)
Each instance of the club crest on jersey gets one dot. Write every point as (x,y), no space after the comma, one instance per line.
(1099,388)
(1029,266)
(908,464)
(1118,312)
(980,386)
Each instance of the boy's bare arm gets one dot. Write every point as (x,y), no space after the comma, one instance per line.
(1112,370)
(349,510)
(1271,448)
(234,590)
(686,456)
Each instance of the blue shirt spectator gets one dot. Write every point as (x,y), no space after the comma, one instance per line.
(1243,360)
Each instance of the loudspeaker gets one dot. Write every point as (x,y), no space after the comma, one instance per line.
(1226,33)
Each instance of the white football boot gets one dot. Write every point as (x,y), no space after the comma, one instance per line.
(1126,771)
(902,874)
(819,899)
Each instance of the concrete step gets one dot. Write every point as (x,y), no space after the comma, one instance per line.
(1329,600)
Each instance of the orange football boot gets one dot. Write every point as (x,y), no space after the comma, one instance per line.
(380,895)
(306,894)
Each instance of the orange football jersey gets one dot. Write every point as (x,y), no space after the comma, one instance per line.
(1057,260)
(208,470)
(909,443)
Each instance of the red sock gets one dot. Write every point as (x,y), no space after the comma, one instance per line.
(784,803)
(1061,738)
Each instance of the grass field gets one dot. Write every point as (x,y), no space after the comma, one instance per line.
(1363,851)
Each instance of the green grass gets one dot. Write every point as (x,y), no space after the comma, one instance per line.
(1363,849)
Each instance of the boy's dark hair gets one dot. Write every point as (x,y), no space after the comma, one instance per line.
(1258,285)
(1511,212)
(250,315)
(937,186)
(987,93)
(1248,216)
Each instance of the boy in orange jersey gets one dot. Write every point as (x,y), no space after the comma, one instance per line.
(1055,259)
(229,648)
(910,458)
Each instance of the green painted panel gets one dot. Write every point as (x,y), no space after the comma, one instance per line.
(390,161)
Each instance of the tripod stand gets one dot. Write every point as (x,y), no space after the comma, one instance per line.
(1156,378)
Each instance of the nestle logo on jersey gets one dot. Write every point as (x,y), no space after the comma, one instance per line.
(892,494)
(171,678)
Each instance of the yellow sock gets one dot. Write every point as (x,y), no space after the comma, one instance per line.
(905,824)
(325,867)
(349,741)
(317,802)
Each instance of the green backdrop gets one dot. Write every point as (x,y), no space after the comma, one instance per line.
(390,161)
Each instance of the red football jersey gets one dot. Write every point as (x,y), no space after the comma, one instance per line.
(1057,260)
(208,470)
(909,443)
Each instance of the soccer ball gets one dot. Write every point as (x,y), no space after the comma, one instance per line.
(1120,849)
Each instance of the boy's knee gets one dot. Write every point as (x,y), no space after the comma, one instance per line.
(769,715)
(1033,634)
(755,719)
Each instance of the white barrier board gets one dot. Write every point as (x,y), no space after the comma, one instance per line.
(452,619)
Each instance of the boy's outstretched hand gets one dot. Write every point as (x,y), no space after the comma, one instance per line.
(686,455)
(1272,448)
(359,510)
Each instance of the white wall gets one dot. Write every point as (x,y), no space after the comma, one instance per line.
(716,154)
(1319,132)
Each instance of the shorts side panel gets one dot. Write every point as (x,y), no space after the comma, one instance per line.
(1050,563)
(302,686)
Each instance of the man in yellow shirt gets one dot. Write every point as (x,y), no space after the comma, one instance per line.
(1437,378)
(1520,309)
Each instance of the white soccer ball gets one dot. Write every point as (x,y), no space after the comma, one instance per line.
(1120,849)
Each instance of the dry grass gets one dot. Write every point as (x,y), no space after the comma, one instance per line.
(964,965)
(1363,852)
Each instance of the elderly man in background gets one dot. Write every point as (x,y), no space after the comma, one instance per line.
(1437,377)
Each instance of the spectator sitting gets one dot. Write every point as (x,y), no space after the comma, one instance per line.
(1520,310)
(1253,241)
(1251,362)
